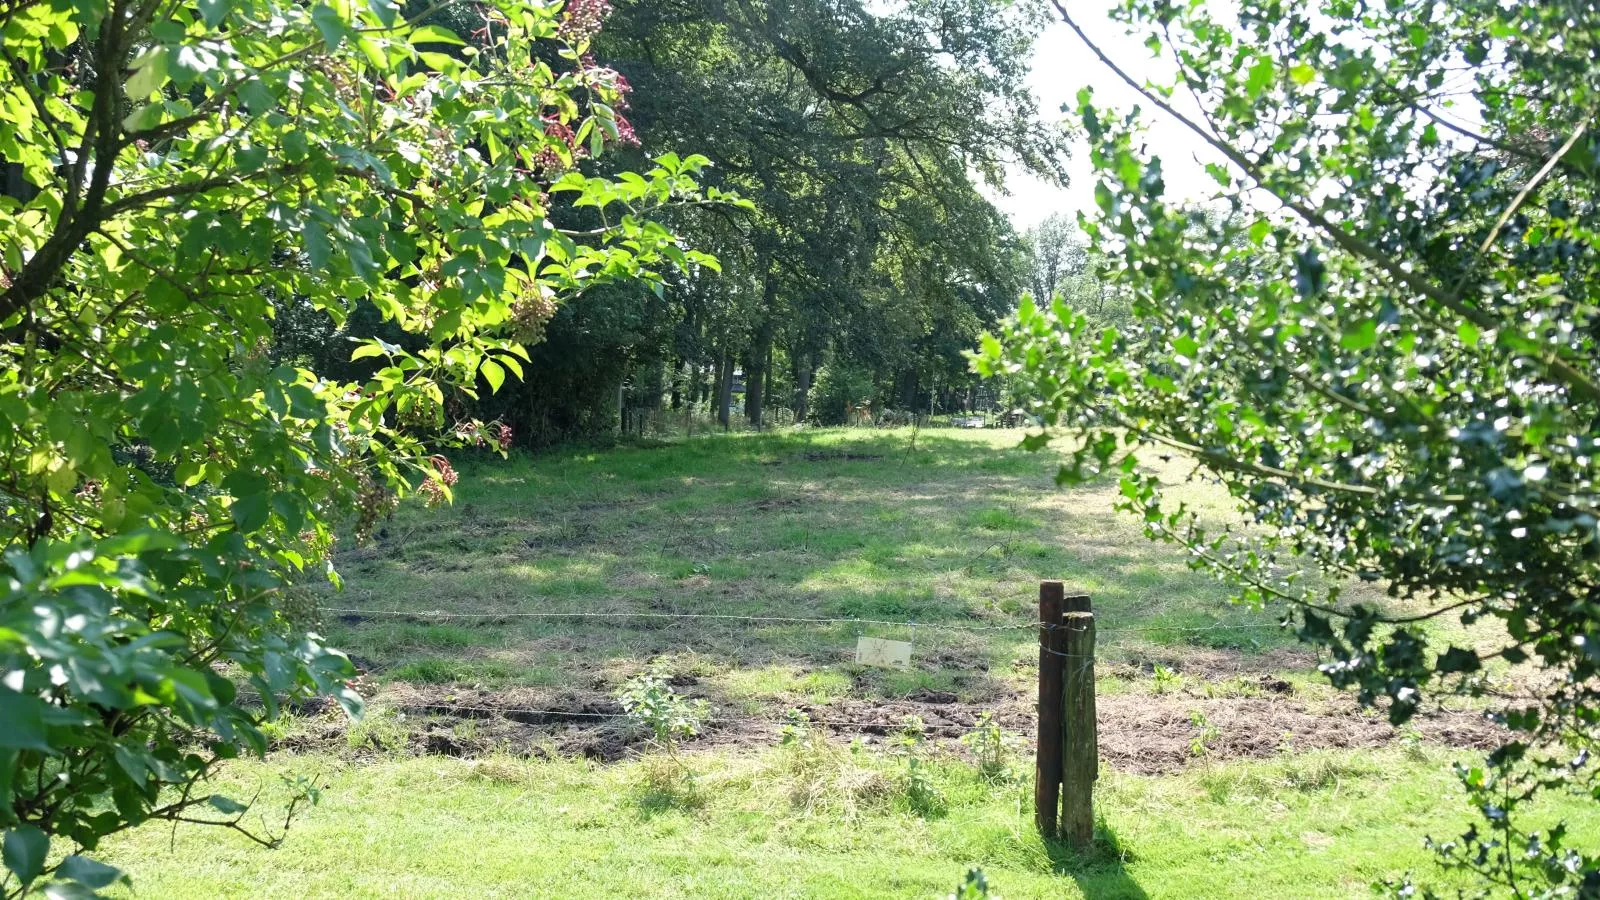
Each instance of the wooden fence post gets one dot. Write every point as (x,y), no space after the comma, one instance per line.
(1047,769)
(1080,744)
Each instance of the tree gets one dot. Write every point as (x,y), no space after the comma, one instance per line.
(186,179)
(1058,254)
(1062,263)
(1385,349)
(858,133)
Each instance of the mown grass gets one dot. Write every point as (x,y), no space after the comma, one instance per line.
(860,524)
(953,533)
(773,824)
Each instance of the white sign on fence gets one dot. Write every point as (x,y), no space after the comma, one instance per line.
(879,652)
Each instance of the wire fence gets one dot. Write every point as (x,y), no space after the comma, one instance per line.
(545,717)
(551,716)
(785,620)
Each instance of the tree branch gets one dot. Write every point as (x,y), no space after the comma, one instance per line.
(1564,371)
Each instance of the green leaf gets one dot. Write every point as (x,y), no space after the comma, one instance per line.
(365,351)
(250,512)
(257,96)
(89,873)
(214,11)
(1260,76)
(8,762)
(149,74)
(1457,659)
(23,715)
(385,10)
(26,849)
(493,373)
(1360,335)
(68,890)
(1302,74)
(227,806)
(435,34)
(1469,334)
(143,118)
(318,248)
(333,27)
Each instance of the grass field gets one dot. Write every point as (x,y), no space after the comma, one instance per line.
(495,760)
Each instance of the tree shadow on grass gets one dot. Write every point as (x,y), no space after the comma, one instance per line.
(1101,871)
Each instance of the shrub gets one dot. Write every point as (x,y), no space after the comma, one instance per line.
(182,185)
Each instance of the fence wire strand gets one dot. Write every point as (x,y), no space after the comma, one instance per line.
(787,620)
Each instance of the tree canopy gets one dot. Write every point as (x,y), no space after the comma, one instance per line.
(861,136)
(1382,339)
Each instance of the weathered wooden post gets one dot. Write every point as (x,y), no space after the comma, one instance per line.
(1047,769)
(1080,744)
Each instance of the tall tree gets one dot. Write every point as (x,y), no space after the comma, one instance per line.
(857,133)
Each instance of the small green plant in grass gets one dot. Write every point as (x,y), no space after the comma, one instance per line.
(796,727)
(1166,680)
(910,732)
(922,794)
(278,729)
(382,729)
(974,887)
(991,746)
(499,768)
(668,784)
(1411,740)
(1200,745)
(1286,742)
(429,671)
(652,704)
(819,776)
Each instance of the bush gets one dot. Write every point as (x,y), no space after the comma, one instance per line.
(839,387)
(168,474)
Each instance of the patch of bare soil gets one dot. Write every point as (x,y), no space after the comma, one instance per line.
(1210,664)
(1153,734)
(469,722)
(1148,734)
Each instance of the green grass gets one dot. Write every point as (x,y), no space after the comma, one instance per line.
(843,523)
(1316,826)
(953,534)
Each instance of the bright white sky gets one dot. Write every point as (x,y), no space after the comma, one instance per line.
(1061,65)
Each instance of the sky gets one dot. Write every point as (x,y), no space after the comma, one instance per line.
(1062,65)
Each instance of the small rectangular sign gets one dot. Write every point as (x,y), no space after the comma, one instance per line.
(879,652)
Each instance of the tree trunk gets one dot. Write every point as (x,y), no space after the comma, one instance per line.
(724,387)
(622,411)
(756,375)
(804,370)
(654,384)
(766,390)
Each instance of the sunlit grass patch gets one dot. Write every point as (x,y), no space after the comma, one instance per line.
(788,683)
(815,821)
(803,524)
(1000,519)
